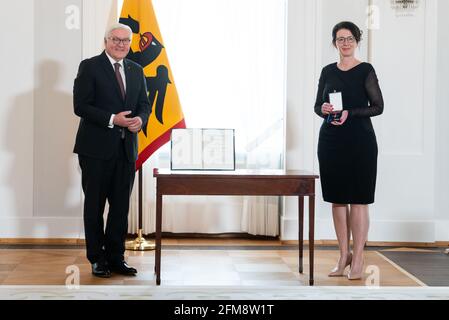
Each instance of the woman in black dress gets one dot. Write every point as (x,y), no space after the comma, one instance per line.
(347,146)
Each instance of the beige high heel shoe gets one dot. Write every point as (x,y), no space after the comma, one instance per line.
(339,270)
(355,276)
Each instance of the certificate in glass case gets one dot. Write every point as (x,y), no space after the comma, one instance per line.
(202,149)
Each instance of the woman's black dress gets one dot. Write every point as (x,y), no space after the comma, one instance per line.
(347,154)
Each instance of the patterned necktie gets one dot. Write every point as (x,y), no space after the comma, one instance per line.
(119,79)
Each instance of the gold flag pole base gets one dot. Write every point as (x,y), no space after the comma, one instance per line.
(139,244)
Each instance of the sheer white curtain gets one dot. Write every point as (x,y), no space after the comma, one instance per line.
(228,62)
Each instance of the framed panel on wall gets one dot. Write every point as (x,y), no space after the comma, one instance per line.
(57,54)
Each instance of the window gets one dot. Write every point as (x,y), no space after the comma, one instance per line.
(228,62)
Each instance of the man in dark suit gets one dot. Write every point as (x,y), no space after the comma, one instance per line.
(110,97)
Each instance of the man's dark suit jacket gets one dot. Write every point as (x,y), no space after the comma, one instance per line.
(96,96)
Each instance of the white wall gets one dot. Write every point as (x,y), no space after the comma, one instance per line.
(442,127)
(406,131)
(16,114)
(309,49)
(409,53)
(58,43)
(411,198)
(40,192)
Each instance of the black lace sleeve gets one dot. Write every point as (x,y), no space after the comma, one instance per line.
(375,98)
(319,96)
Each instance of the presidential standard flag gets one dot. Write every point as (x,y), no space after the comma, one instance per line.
(147,49)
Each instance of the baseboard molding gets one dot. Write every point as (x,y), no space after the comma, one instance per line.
(41,241)
(189,235)
(70,231)
(437,244)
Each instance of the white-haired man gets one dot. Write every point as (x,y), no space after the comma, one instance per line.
(110,97)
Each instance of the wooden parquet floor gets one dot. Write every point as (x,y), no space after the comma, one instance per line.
(193,262)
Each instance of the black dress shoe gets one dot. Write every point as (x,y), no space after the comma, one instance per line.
(122,268)
(100,269)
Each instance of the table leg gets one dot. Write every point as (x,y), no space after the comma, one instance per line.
(157,265)
(300,231)
(311,236)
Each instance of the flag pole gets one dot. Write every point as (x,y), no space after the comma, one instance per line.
(140,244)
(149,52)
